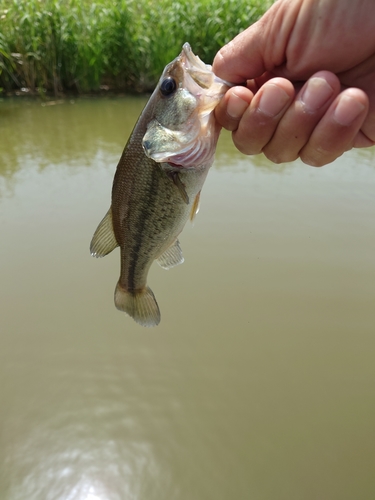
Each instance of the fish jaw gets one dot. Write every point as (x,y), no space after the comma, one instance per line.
(183,131)
(198,151)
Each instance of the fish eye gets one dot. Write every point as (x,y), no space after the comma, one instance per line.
(168,86)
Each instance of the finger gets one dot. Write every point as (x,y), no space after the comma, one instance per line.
(259,48)
(234,63)
(300,119)
(230,109)
(261,118)
(361,140)
(338,130)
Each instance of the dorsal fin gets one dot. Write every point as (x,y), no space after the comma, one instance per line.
(104,239)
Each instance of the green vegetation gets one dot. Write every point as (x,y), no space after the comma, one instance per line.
(79,45)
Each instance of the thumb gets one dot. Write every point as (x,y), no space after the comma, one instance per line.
(259,48)
(242,58)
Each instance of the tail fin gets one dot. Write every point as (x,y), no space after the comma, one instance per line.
(140,305)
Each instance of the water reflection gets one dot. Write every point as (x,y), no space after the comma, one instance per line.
(258,382)
(69,132)
(75,131)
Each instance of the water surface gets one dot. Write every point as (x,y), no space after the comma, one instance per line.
(259,382)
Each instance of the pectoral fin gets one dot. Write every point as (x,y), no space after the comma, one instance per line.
(180,185)
(171,257)
(104,239)
(195,207)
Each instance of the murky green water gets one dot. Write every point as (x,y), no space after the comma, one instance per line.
(259,384)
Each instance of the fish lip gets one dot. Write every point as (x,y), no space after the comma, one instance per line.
(193,63)
(200,80)
(198,75)
(193,60)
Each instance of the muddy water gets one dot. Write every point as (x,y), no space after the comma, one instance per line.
(260,381)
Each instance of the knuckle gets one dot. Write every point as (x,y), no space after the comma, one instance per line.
(317,156)
(312,162)
(280,156)
(274,158)
(245,146)
(246,149)
(229,124)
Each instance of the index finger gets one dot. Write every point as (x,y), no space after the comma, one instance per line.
(232,106)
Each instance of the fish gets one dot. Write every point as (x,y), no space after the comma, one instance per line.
(158,180)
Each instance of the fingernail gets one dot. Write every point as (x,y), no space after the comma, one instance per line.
(316,94)
(272,100)
(347,110)
(236,106)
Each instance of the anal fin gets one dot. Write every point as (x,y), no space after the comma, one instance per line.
(171,257)
(104,239)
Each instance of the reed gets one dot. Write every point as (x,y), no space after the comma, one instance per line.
(78,45)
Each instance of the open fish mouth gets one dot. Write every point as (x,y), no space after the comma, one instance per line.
(183,131)
(199,76)
(201,72)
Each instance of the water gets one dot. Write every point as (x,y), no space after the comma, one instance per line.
(260,381)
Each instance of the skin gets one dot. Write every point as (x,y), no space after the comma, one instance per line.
(309,68)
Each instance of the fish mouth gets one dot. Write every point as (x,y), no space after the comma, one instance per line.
(192,141)
(201,81)
(201,72)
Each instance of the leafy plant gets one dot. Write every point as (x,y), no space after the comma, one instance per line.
(79,45)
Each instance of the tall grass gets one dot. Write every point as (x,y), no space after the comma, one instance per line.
(79,45)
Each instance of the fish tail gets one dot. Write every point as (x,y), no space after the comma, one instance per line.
(141,305)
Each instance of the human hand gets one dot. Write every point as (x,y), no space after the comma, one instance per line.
(310,72)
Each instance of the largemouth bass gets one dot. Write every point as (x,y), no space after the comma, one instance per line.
(158,180)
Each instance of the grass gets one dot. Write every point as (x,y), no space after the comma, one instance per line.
(79,45)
